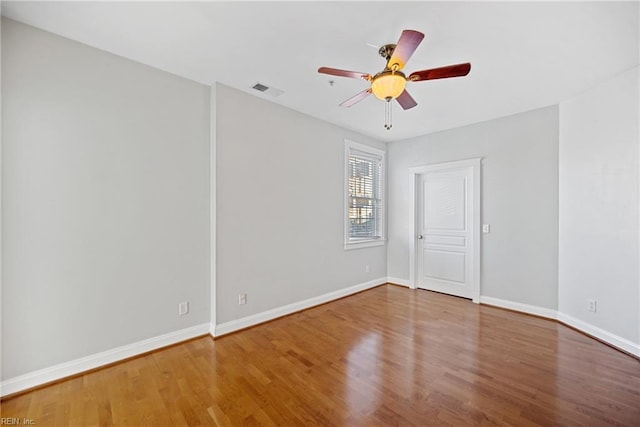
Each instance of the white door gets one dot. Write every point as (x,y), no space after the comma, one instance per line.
(447,221)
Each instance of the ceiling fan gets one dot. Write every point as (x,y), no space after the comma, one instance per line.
(390,83)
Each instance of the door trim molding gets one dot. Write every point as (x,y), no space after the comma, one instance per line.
(414,172)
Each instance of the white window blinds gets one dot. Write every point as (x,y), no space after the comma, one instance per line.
(365,197)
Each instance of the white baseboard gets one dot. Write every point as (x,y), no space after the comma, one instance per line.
(67,369)
(523,308)
(265,316)
(607,337)
(73,367)
(398,281)
(601,334)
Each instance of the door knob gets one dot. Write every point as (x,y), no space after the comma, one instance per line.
(420,237)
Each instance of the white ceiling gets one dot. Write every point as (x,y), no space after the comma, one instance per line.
(523,55)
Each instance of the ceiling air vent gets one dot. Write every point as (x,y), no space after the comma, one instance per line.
(272,91)
(260,87)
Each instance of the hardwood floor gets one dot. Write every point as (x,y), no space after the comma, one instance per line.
(387,356)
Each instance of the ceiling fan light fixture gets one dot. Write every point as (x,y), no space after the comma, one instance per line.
(388,84)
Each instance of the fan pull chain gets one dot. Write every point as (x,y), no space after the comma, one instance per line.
(387,115)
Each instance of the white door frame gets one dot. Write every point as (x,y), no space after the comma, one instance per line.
(414,172)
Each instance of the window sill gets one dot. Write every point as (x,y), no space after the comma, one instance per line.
(363,244)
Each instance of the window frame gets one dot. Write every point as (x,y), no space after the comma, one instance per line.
(352,243)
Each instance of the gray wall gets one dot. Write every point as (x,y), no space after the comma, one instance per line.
(519,200)
(280,208)
(105,193)
(599,242)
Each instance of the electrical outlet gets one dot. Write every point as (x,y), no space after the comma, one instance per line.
(366,268)
(593,305)
(486,229)
(183,308)
(242,299)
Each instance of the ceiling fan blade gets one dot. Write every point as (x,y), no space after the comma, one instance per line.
(407,44)
(356,98)
(344,73)
(457,70)
(406,101)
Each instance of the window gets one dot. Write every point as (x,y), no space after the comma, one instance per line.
(364,196)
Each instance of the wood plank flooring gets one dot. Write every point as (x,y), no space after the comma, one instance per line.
(387,356)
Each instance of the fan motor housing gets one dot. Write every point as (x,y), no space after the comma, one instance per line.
(387,50)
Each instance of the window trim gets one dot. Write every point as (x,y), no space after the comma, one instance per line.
(366,242)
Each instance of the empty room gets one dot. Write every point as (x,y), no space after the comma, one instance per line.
(320,213)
